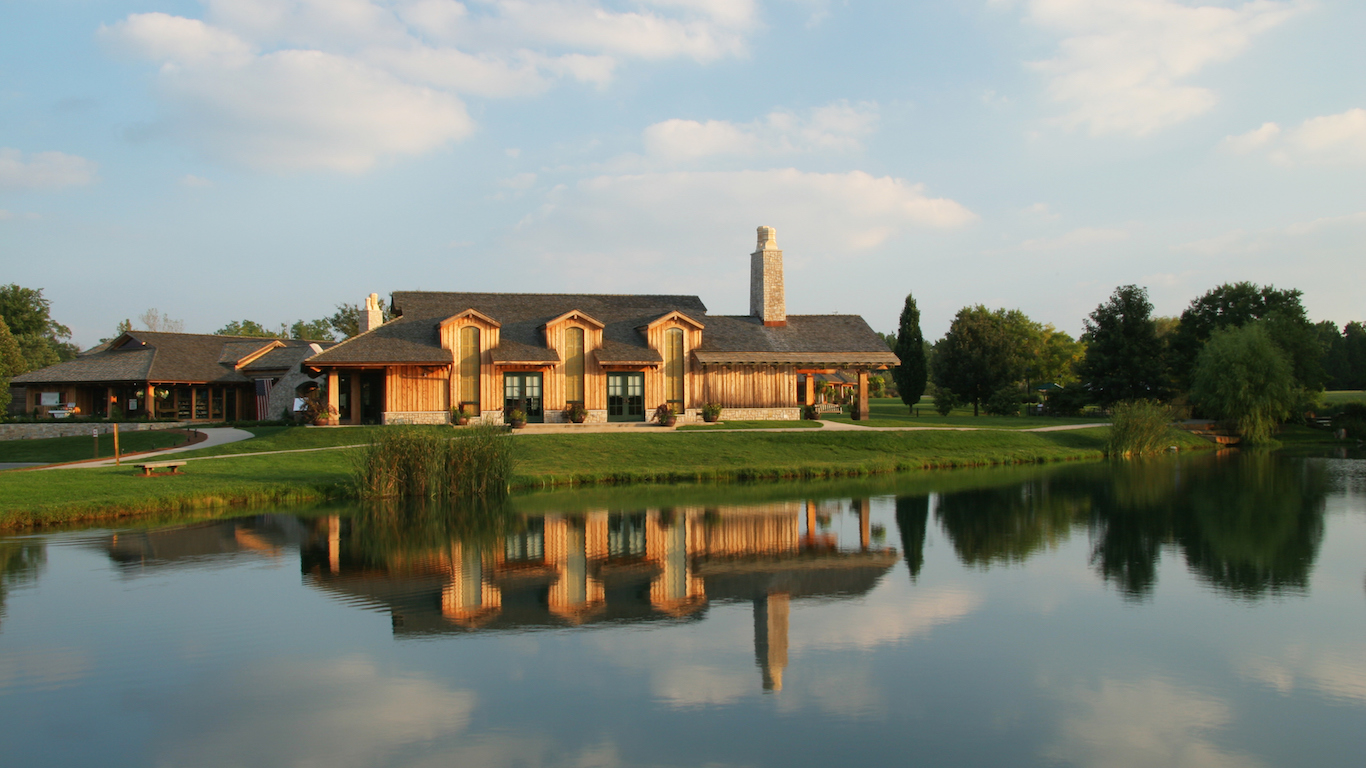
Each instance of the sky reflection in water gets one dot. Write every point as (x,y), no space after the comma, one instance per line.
(1205,612)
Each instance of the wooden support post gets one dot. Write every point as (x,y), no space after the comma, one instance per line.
(810,389)
(864,524)
(116,444)
(355,396)
(862,413)
(333,396)
(811,522)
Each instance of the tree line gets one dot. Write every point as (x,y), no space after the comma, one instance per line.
(1241,353)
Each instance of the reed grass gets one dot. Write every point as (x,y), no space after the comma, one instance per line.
(414,464)
(1138,428)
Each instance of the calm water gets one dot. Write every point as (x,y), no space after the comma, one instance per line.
(1206,612)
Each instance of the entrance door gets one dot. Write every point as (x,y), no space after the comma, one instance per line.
(626,397)
(371,397)
(523,390)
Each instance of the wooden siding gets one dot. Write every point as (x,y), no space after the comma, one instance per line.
(654,377)
(417,388)
(750,386)
(594,378)
(490,382)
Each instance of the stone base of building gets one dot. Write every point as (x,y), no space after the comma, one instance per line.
(761,414)
(417,417)
(593,417)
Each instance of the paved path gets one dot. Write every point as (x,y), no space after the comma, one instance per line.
(212,436)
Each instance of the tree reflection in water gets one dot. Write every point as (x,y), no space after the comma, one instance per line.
(1247,523)
(20,562)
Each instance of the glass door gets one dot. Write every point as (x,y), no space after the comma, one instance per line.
(523,390)
(626,397)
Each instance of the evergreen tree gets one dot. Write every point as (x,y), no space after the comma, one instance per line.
(1123,354)
(911,374)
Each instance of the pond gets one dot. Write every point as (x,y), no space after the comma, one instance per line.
(1185,612)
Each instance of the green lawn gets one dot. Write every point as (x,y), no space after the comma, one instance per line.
(891,412)
(1337,397)
(67,495)
(55,450)
(788,424)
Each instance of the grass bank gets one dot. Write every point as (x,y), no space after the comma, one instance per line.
(891,412)
(55,450)
(802,424)
(243,476)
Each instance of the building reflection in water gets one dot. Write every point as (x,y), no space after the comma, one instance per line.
(608,567)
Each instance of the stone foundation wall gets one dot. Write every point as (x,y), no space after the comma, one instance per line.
(761,414)
(593,417)
(45,429)
(417,417)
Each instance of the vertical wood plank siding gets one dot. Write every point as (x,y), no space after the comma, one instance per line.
(417,388)
(490,383)
(594,380)
(655,387)
(751,386)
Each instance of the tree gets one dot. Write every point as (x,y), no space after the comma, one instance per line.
(346,320)
(11,364)
(153,320)
(1342,354)
(1054,356)
(1123,354)
(911,374)
(250,328)
(42,341)
(1242,378)
(1236,305)
(984,351)
(312,330)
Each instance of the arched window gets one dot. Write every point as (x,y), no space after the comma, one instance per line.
(673,368)
(573,365)
(469,369)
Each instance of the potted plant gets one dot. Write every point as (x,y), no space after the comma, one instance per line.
(665,415)
(711,412)
(811,412)
(576,413)
(316,408)
(517,418)
(460,416)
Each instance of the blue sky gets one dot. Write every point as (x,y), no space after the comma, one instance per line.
(268,159)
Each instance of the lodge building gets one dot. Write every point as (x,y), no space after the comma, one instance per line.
(618,356)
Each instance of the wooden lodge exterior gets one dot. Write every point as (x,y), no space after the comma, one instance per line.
(619,356)
(179,376)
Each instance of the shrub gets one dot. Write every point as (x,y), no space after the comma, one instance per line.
(811,412)
(1352,418)
(407,463)
(1245,381)
(1004,402)
(1138,428)
(945,401)
(711,411)
(1068,401)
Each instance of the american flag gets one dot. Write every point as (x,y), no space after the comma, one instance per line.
(263,387)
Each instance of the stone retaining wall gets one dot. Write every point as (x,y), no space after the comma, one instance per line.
(44,429)
(417,417)
(761,414)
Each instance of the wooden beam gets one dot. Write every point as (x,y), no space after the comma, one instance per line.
(862,412)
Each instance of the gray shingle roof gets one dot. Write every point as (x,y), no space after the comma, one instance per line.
(413,337)
(140,356)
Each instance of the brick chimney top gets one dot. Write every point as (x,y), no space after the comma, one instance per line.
(766,297)
(372,316)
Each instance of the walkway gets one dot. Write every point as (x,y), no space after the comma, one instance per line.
(213,436)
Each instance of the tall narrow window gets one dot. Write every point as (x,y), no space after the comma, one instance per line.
(469,367)
(573,365)
(673,368)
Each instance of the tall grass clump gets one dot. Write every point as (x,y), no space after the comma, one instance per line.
(1138,428)
(409,464)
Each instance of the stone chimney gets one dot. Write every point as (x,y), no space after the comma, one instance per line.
(766,299)
(371,317)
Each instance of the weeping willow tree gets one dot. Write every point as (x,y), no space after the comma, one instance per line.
(1243,379)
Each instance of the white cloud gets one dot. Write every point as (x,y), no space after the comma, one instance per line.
(1130,724)
(337,713)
(343,84)
(43,170)
(1324,232)
(1326,140)
(863,626)
(195,182)
(520,181)
(1124,67)
(835,127)
(1077,238)
(1339,672)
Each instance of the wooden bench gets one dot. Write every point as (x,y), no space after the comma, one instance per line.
(150,468)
